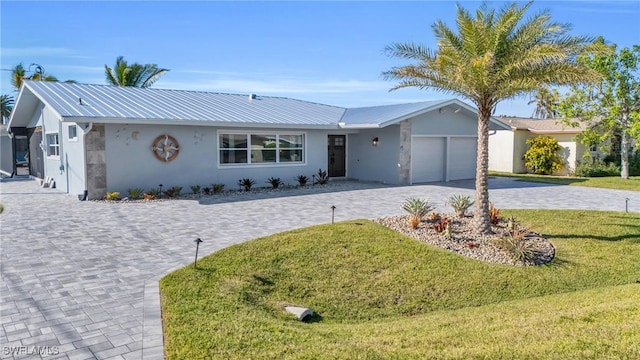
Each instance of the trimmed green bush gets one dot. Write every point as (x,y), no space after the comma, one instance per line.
(542,157)
(596,168)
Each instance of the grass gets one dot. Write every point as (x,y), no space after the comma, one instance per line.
(382,295)
(609,182)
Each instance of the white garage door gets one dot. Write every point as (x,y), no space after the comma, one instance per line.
(462,158)
(427,159)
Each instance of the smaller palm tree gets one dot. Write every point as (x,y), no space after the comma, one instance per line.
(136,75)
(546,101)
(6,106)
(19,74)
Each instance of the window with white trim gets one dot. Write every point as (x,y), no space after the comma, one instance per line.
(53,145)
(73,132)
(261,148)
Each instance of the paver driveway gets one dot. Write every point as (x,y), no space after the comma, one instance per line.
(79,279)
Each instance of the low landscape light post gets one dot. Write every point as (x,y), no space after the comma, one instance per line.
(160,186)
(626,205)
(333,213)
(195,262)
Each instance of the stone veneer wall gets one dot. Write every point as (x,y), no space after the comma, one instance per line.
(96,163)
(405,152)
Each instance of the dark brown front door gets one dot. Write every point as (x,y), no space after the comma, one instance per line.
(337,152)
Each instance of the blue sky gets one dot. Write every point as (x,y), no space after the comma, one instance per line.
(329,52)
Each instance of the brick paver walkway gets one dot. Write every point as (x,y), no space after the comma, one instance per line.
(79,279)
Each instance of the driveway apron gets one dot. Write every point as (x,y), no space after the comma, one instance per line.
(79,280)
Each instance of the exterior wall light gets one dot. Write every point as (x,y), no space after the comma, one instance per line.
(374,142)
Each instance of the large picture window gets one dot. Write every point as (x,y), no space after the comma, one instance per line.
(260,148)
(53,145)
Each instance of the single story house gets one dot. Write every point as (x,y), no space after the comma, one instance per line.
(94,139)
(507,147)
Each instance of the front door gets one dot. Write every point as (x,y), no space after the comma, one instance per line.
(337,155)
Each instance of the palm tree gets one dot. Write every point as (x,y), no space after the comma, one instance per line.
(6,105)
(493,56)
(546,102)
(19,74)
(135,74)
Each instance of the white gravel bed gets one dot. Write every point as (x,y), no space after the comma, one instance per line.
(465,242)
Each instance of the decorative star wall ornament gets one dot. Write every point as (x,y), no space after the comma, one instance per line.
(165,148)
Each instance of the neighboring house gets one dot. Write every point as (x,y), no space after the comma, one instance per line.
(507,147)
(99,138)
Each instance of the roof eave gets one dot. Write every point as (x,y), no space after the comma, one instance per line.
(179,122)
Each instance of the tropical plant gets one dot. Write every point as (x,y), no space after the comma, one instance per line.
(460,204)
(516,244)
(155,192)
(546,101)
(302,180)
(275,182)
(492,57)
(135,193)
(542,156)
(417,209)
(173,191)
(114,195)
(441,225)
(494,215)
(19,74)
(321,177)
(612,106)
(6,106)
(148,196)
(195,189)
(136,75)
(246,183)
(217,188)
(206,190)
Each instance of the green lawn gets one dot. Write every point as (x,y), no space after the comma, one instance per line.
(610,182)
(382,295)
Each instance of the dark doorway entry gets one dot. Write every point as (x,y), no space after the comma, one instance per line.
(36,158)
(337,155)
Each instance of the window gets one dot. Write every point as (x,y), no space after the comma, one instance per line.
(260,148)
(73,132)
(53,145)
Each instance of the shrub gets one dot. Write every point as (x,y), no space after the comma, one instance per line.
(302,180)
(217,188)
(246,183)
(494,214)
(155,192)
(590,167)
(206,190)
(275,182)
(113,195)
(417,208)
(515,244)
(149,196)
(460,203)
(195,189)
(135,193)
(542,155)
(442,225)
(173,191)
(322,177)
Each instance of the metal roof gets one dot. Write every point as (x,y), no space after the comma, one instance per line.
(114,104)
(541,125)
(381,115)
(73,101)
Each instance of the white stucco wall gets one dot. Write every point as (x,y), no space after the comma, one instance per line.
(447,123)
(374,163)
(131,163)
(53,165)
(6,152)
(501,151)
(571,152)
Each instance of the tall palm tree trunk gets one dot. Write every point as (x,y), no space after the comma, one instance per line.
(481,211)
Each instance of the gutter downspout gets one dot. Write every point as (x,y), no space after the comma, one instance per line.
(87,130)
(14,168)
